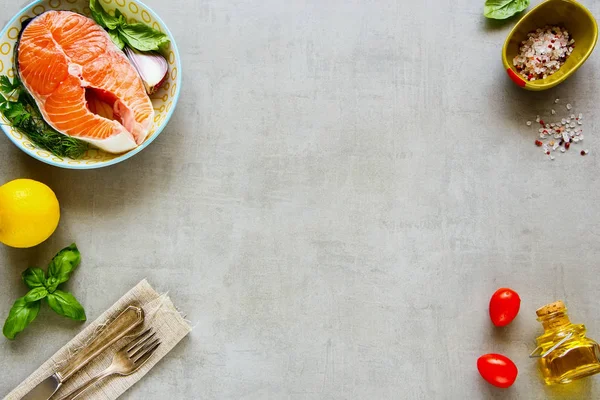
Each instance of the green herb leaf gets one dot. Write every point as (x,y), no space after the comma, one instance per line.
(4,103)
(17,114)
(66,305)
(119,15)
(502,9)
(116,38)
(21,314)
(7,87)
(142,37)
(52,283)
(62,265)
(26,308)
(138,36)
(36,294)
(34,277)
(5,84)
(103,18)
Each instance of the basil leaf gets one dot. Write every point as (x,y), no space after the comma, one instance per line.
(36,294)
(116,38)
(119,15)
(66,305)
(21,314)
(103,18)
(502,9)
(143,38)
(34,277)
(62,265)
(52,283)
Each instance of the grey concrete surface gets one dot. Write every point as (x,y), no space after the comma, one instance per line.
(341,189)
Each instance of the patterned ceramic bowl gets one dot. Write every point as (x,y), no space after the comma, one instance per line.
(164,100)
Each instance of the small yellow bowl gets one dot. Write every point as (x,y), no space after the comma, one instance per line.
(566,13)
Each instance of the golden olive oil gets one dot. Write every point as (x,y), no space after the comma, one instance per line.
(567,353)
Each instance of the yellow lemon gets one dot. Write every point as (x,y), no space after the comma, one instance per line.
(29,213)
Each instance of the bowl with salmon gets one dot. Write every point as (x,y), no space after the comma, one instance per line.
(86,83)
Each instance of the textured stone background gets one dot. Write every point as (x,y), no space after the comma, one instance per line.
(341,189)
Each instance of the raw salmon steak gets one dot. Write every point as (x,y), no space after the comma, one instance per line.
(83,84)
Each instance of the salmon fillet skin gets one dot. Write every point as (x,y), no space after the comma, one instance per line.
(83,83)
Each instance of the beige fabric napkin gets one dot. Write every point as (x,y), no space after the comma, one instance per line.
(160,314)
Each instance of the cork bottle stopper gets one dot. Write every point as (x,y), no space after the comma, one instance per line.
(553,315)
(551,308)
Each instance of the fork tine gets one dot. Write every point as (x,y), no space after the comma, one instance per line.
(136,340)
(142,358)
(143,349)
(140,344)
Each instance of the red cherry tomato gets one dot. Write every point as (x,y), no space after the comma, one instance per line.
(497,369)
(504,306)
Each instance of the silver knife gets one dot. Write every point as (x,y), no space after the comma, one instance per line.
(127,321)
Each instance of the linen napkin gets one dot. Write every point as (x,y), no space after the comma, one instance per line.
(160,314)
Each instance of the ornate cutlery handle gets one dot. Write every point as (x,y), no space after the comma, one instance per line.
(127,321)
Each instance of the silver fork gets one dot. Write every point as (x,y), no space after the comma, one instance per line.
(125,362)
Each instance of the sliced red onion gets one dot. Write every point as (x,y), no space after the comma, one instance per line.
(151,66)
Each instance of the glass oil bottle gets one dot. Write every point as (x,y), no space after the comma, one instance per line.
(565,353)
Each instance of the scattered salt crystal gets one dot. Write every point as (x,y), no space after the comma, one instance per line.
(552,158)
(567,130)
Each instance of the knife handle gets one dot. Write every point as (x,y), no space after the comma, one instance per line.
(127,321)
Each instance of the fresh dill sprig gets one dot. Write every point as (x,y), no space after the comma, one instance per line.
(22,112)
